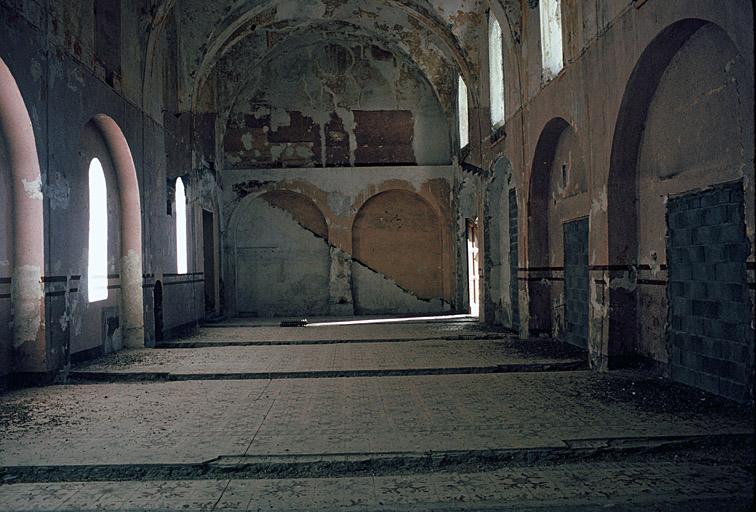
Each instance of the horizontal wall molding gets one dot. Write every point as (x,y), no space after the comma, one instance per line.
(184,282)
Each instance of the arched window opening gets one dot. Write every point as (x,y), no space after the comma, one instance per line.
(97,268)
(495,71)
(464,134)
(181,257)
(551,37)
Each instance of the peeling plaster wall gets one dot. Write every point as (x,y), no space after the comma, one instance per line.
(351,285)
(603,43)
(335,103)
(67,74)
(281,266)
(497,272)
(433,33)
(397,235)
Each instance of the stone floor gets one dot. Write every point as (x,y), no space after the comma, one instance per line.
(496,425)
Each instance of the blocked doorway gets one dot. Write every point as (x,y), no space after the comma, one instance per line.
(709,314)
(576,283)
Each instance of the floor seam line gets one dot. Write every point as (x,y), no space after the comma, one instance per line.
(263,420)
(221,494)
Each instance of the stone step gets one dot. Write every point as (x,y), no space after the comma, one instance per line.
(251,466)
(77,376)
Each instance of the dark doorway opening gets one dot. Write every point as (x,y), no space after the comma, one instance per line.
(473,266)
(157,297)
(208,241)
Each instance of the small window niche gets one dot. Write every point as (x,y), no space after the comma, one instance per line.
(181,249)
(551,38)
(495,71)
(464,128)
(97,259)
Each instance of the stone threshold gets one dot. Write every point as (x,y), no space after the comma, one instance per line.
(80,376)
(380,463)
(252,343)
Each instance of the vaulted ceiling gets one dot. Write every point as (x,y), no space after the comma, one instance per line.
(439,36)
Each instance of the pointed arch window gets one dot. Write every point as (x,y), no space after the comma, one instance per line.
(181,250)
(97,266)
(464,131)
(495,71)
(551,37)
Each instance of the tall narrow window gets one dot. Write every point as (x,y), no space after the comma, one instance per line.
(97,265)
(495,71)
(464,134)
(551,37)
(181,258)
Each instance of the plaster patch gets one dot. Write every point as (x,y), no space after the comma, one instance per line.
(279,118)
(58,191)
(654,264)
(628,281)
(28,303)
(340,204)
(33,188)
(36,70)
(600,203)
(275,152)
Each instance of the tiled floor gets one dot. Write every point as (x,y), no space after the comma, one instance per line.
(312,358)
(611,486)
(149,424)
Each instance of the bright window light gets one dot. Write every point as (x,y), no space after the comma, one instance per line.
(464,135)
(97,267)
(180,227)
(551,37)
(495,71)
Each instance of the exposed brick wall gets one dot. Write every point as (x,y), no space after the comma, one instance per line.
(576,282)
(709,308)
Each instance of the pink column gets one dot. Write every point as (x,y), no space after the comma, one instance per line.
(29,345)
(131,232)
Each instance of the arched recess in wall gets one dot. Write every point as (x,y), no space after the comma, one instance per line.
(558,236)
(281,256)
(685,124)
(500,243)
(132,311)
(26,251)
(398,256)
(539,264)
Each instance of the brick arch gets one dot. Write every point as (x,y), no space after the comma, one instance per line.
(17,136)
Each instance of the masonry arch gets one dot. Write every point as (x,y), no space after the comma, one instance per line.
(691,90)
(557,233)
(24,252)
(397,246)
(280,259)
(129,229)
(539,267)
